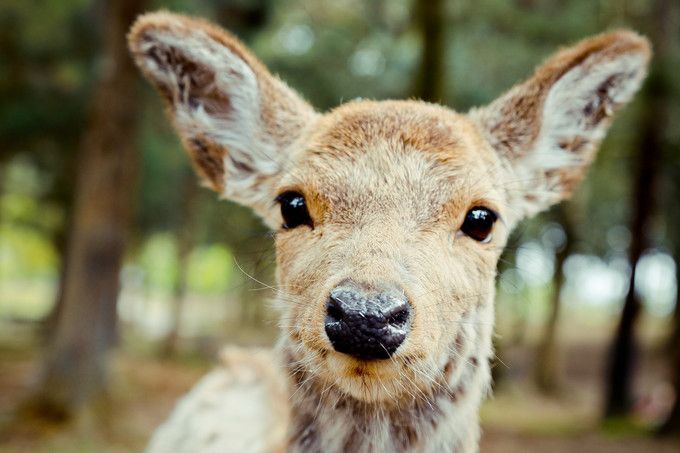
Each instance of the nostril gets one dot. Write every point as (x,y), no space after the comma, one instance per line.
(399,317)
(398,313)
(334,311)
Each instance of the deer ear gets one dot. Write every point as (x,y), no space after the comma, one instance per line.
(235,119)
(548,128)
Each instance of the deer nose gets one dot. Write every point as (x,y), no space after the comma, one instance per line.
(367,326)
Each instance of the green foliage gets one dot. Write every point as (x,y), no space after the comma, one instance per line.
(158,259)
(210,270)
(25,253)
(209,267)
(25,249)
(164,166)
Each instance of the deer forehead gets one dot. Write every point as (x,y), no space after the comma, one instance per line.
(387,158)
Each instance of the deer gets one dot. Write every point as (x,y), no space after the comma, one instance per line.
(389,219)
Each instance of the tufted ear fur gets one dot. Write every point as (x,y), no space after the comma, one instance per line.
(235,119)
(548,128)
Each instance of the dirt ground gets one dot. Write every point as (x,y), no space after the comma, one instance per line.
(517,419)
(494,441)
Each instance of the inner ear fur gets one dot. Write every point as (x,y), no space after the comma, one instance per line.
(235,119)
(548,128)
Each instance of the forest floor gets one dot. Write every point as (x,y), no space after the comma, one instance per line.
(517,419)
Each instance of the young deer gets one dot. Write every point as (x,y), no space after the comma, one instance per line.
(390,219)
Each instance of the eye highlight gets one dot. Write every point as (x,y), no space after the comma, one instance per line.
(478,223)
(293,210)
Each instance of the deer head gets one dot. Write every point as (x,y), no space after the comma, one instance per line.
(390,216)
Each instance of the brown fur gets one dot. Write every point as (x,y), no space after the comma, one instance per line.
(387,185)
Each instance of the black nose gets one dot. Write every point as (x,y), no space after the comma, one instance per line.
(367,326)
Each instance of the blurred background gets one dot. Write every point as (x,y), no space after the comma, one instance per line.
(120,277)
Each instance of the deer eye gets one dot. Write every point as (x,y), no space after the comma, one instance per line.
(293,210)
(478,223)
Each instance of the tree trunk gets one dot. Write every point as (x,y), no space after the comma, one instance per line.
(75,366)
(546,373)
(431,80)
(184,244)
(623,350)
(50,322)
(654,120)
(3,178)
